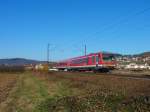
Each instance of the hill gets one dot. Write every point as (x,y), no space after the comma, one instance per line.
(145,54)
(18,61)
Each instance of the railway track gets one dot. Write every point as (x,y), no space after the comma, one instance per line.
(123,75)
(130,76)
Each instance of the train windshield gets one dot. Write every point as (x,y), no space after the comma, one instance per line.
(108,58)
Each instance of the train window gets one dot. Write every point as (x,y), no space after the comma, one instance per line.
(93,59)
(108,58)
(80,61)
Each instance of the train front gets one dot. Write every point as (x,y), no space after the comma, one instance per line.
(109,61)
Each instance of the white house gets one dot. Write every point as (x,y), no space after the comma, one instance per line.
(132,66)
(137,66)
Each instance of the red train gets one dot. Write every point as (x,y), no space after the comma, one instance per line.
(92,62)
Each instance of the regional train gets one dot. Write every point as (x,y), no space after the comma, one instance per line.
(92,62)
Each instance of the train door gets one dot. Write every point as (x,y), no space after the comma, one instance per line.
(97,60)
(93,60)
(87,60)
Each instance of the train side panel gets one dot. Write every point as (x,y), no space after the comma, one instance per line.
(89,62)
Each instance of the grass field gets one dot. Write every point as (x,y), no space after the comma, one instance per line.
(72,92)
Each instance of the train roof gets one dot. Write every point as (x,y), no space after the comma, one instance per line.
(91,54)
(80,57)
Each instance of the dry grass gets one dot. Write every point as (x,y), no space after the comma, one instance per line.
(7,81)
(73,92)
(91,92)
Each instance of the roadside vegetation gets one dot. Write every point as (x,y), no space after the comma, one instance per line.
(75,92)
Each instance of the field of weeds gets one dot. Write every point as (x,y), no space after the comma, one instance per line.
(73,92)
(7,82)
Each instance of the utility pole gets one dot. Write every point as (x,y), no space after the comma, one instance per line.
(48,53)
(85,50)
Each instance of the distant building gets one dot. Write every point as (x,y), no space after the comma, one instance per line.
(132,66)
(137,66)
(43,67)
(39,67)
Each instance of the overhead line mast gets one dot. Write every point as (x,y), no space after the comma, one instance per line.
(85,50)
(48,53)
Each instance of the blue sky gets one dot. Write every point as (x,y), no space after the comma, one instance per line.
(26,26)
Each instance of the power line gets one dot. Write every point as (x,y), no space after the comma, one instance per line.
(113,25)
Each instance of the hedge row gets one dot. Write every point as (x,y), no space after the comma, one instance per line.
(12,69)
